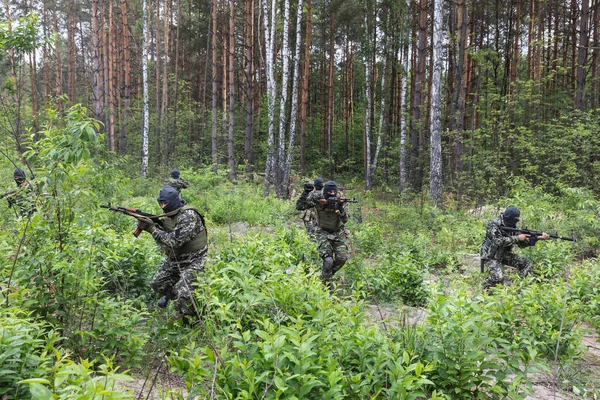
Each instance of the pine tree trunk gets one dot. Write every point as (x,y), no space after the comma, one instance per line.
(249,79)
(127,80)
(230,142)
(304,91)
(214,153)
(111,77)
(582,55)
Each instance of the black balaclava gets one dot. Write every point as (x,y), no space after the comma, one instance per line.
(318,183)
(510,216)
(170,195)
(175,174)
(19,176)
(328,187)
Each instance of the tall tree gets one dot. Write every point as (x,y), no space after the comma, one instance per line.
(582,55)
(304,91)
(294,106)
(230,141)
(269,13)
(127,72)
(146,109)
(213,48)
(248,69)
(435,172)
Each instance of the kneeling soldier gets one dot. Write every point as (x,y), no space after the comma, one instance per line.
(183,238)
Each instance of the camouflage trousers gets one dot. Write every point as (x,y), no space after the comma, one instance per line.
(310,228)
(331,244)
(496,272)
(176,279)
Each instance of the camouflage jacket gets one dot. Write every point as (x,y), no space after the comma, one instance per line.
(326,218)
(496,243)
(307,213)
(177,183)
(188,227)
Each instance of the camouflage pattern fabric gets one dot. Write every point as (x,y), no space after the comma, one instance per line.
(177,183)
(307,214)
(330,244)
(310,223)
(496,272)
(24,198)
(176,278)
(496,251)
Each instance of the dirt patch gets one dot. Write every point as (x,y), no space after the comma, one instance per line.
(154,386)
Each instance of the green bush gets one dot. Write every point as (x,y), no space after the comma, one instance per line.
(472,360)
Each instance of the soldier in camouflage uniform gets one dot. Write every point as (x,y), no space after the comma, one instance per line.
(308,215)
(496,249)
(330,231)
(176,182)
(23,197)
(183,238)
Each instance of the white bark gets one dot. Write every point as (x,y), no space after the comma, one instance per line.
(406,63)
(294,110)
(146,113)
(435,173)
(368,124)
(285,55)
(271,88)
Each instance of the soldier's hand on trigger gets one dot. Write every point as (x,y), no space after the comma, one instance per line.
(523,237)
(146,224)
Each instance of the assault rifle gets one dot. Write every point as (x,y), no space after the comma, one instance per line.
(534,234)
(335,203)
(136,213)
(7,194)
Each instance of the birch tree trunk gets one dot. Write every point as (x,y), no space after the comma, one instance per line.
(146,111)
(294,107)
(165,82)
(270,22)
(405,67)
(285,55)
(435,173)
(230,152)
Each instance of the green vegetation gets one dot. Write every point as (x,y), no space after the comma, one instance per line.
(77,314)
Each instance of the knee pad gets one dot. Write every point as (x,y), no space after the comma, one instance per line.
(328,262)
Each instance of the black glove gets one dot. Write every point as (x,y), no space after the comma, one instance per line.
(308,187)
(146,225)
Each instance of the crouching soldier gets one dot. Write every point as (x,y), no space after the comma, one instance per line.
(183,238)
